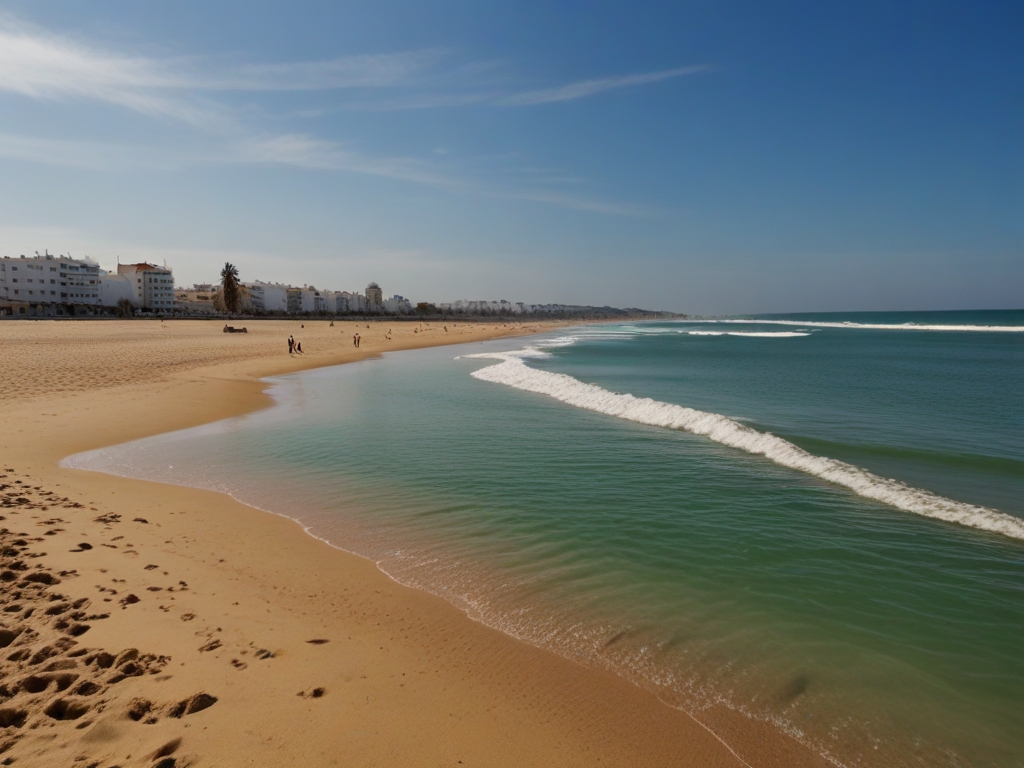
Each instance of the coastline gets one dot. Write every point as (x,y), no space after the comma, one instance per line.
(407,677)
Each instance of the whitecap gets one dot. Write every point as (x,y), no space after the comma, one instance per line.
(880,326)
(512,371)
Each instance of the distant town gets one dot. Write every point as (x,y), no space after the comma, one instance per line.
(45,285)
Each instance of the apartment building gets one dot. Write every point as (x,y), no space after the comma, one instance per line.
(349,302)
(397,305)
(153,286)
(49,280)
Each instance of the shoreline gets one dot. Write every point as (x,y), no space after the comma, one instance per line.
(471,691)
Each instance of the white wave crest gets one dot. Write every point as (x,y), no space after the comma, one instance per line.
(882,326)
(769,334)
(513,372)
(751,334)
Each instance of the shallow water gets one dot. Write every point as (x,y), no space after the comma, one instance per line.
(699,569)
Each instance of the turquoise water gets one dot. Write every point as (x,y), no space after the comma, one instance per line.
(810,579)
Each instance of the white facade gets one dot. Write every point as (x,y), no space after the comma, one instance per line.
(152,286)
(397,305)
(313,300)
(113,288)
(49,279)
(349,302)
(500,307)
(272,296)
(483,307)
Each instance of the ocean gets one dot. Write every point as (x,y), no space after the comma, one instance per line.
(814,520)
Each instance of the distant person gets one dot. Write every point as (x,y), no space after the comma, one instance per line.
(355,339)
(298,347)
(291,345)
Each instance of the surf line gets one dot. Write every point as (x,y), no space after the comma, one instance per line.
(877,326)
(512,371)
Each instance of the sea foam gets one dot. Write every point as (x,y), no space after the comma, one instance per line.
(877,326)
(751,334)
(512,371)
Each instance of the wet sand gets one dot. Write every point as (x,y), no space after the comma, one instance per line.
(144,624)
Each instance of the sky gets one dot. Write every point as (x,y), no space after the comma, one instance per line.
(700,157)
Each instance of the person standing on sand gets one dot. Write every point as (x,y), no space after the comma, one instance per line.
(291,345)
(354,337)
(298,347)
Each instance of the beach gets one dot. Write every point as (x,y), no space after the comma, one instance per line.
(165,623)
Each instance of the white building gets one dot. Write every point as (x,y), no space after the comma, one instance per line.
(349,302)
(152,286)
(49,280)
(483,307)
(313,300)
(397,305)
(113,288)
(268,297)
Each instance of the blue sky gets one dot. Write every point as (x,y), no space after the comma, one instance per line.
(699,157)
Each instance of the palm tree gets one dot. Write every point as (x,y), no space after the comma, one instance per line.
(229,284)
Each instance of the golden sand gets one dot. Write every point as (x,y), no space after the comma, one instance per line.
(144,624)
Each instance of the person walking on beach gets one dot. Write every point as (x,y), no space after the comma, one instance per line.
(359,340)
(298,347)
(291,345)
(355,337)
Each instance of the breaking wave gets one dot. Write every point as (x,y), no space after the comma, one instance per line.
(512,371)
(879,326)
(758,334)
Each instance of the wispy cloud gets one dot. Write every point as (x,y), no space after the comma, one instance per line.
(417,101)
(371,71)
(585,88)
(41,65)
(307,152)
(311,153)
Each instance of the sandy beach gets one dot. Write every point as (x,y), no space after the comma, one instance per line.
(145,624)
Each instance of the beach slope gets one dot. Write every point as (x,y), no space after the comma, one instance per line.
(145,624)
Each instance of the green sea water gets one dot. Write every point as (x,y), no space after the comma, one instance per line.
(703,568)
